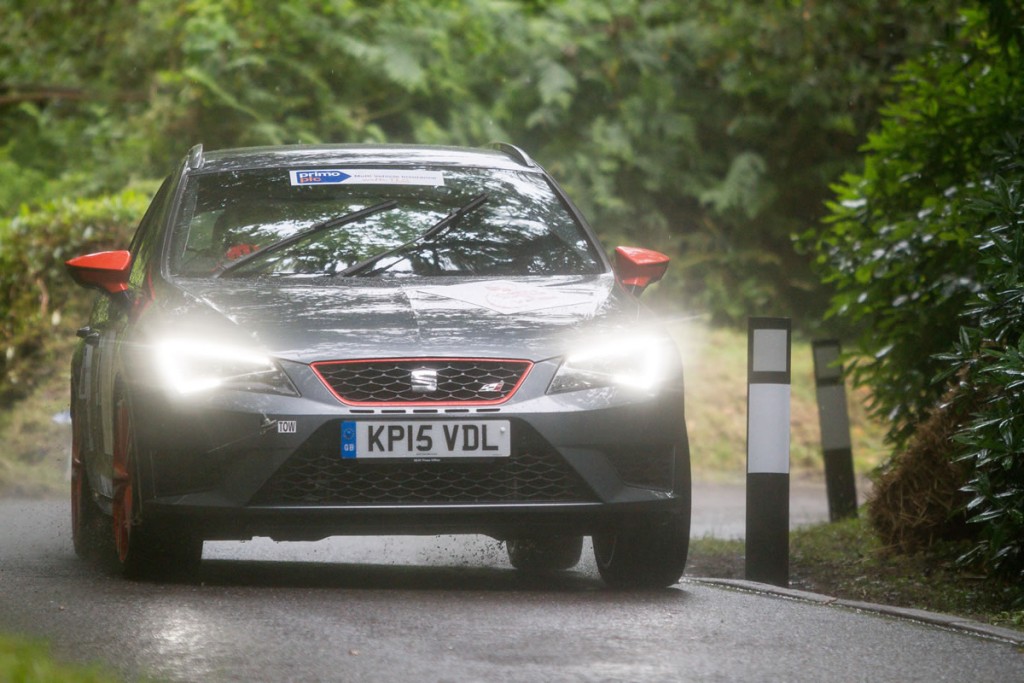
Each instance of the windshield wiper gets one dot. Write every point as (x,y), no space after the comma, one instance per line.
(449,221)
(328,224)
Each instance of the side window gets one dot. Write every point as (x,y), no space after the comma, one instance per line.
(147,233)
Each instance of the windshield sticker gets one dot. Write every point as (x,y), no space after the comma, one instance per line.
(365,176)
(504,296)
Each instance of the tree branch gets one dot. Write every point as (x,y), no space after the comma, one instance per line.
(46,93)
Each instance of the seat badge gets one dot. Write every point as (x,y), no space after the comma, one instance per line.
(423,380)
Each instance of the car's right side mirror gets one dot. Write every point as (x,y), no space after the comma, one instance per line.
(636,268)
(106,271)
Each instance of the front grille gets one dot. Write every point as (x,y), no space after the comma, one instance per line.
(649,467)
(317,475)
(438,381)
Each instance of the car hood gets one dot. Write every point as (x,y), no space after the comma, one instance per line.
(305,321)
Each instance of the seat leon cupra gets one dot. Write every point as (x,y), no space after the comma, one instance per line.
(304,342)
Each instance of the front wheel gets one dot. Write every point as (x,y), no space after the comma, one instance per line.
(142,550)
(644,556)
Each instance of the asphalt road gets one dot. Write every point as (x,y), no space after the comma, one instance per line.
(444,609)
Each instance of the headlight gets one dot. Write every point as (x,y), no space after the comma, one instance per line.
(640,363)
(189,366)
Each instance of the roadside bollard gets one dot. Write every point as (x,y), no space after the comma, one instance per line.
(768,395)
(834,418)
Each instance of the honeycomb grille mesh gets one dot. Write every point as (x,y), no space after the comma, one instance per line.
(317,475)
(382,382)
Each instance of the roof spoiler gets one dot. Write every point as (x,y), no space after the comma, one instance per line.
(515,152)
(195,157)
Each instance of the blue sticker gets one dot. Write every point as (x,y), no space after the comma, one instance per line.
(367,176)
(348,440)
(325,177)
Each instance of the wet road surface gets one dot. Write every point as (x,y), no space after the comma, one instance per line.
(442,609)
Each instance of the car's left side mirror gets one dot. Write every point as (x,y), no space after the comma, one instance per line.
(106,271)
(636,268)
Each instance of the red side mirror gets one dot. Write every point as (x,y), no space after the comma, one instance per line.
(106,271)
(637,268)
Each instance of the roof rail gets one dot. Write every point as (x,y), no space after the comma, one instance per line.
(514,152)
(195,157)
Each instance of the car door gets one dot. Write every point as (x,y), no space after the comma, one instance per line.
(108,325)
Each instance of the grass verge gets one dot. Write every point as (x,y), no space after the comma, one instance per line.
(35,430)
(846,560)
(36,438)
(26,661)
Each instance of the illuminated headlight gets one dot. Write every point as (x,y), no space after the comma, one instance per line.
(640,363)
(189,366)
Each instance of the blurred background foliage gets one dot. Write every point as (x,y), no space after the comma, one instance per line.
(709,130)
(712,130)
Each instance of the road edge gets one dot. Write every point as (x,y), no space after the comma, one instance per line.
(955,623)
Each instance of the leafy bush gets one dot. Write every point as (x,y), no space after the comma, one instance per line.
(990,358)
(35,291)
(901,246)
(926,248)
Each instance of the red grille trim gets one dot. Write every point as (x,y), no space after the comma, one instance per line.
(330,372)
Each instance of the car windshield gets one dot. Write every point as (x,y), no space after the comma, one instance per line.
(377,223)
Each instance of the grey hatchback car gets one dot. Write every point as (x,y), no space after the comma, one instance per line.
(303,342)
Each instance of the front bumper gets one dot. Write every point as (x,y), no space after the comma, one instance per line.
(239,465)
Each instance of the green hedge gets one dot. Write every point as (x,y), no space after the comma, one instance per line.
(925,250)
(36,294)
(901,246)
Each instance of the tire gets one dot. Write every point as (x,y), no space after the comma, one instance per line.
(544,554)
(644,556)
(143,550)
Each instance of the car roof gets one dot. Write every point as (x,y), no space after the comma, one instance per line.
(502,157)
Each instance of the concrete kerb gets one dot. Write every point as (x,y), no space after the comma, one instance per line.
(933,618)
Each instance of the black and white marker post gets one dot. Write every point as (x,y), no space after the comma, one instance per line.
(768,394)
(834,418)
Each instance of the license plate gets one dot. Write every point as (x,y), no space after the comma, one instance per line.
(423,439)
